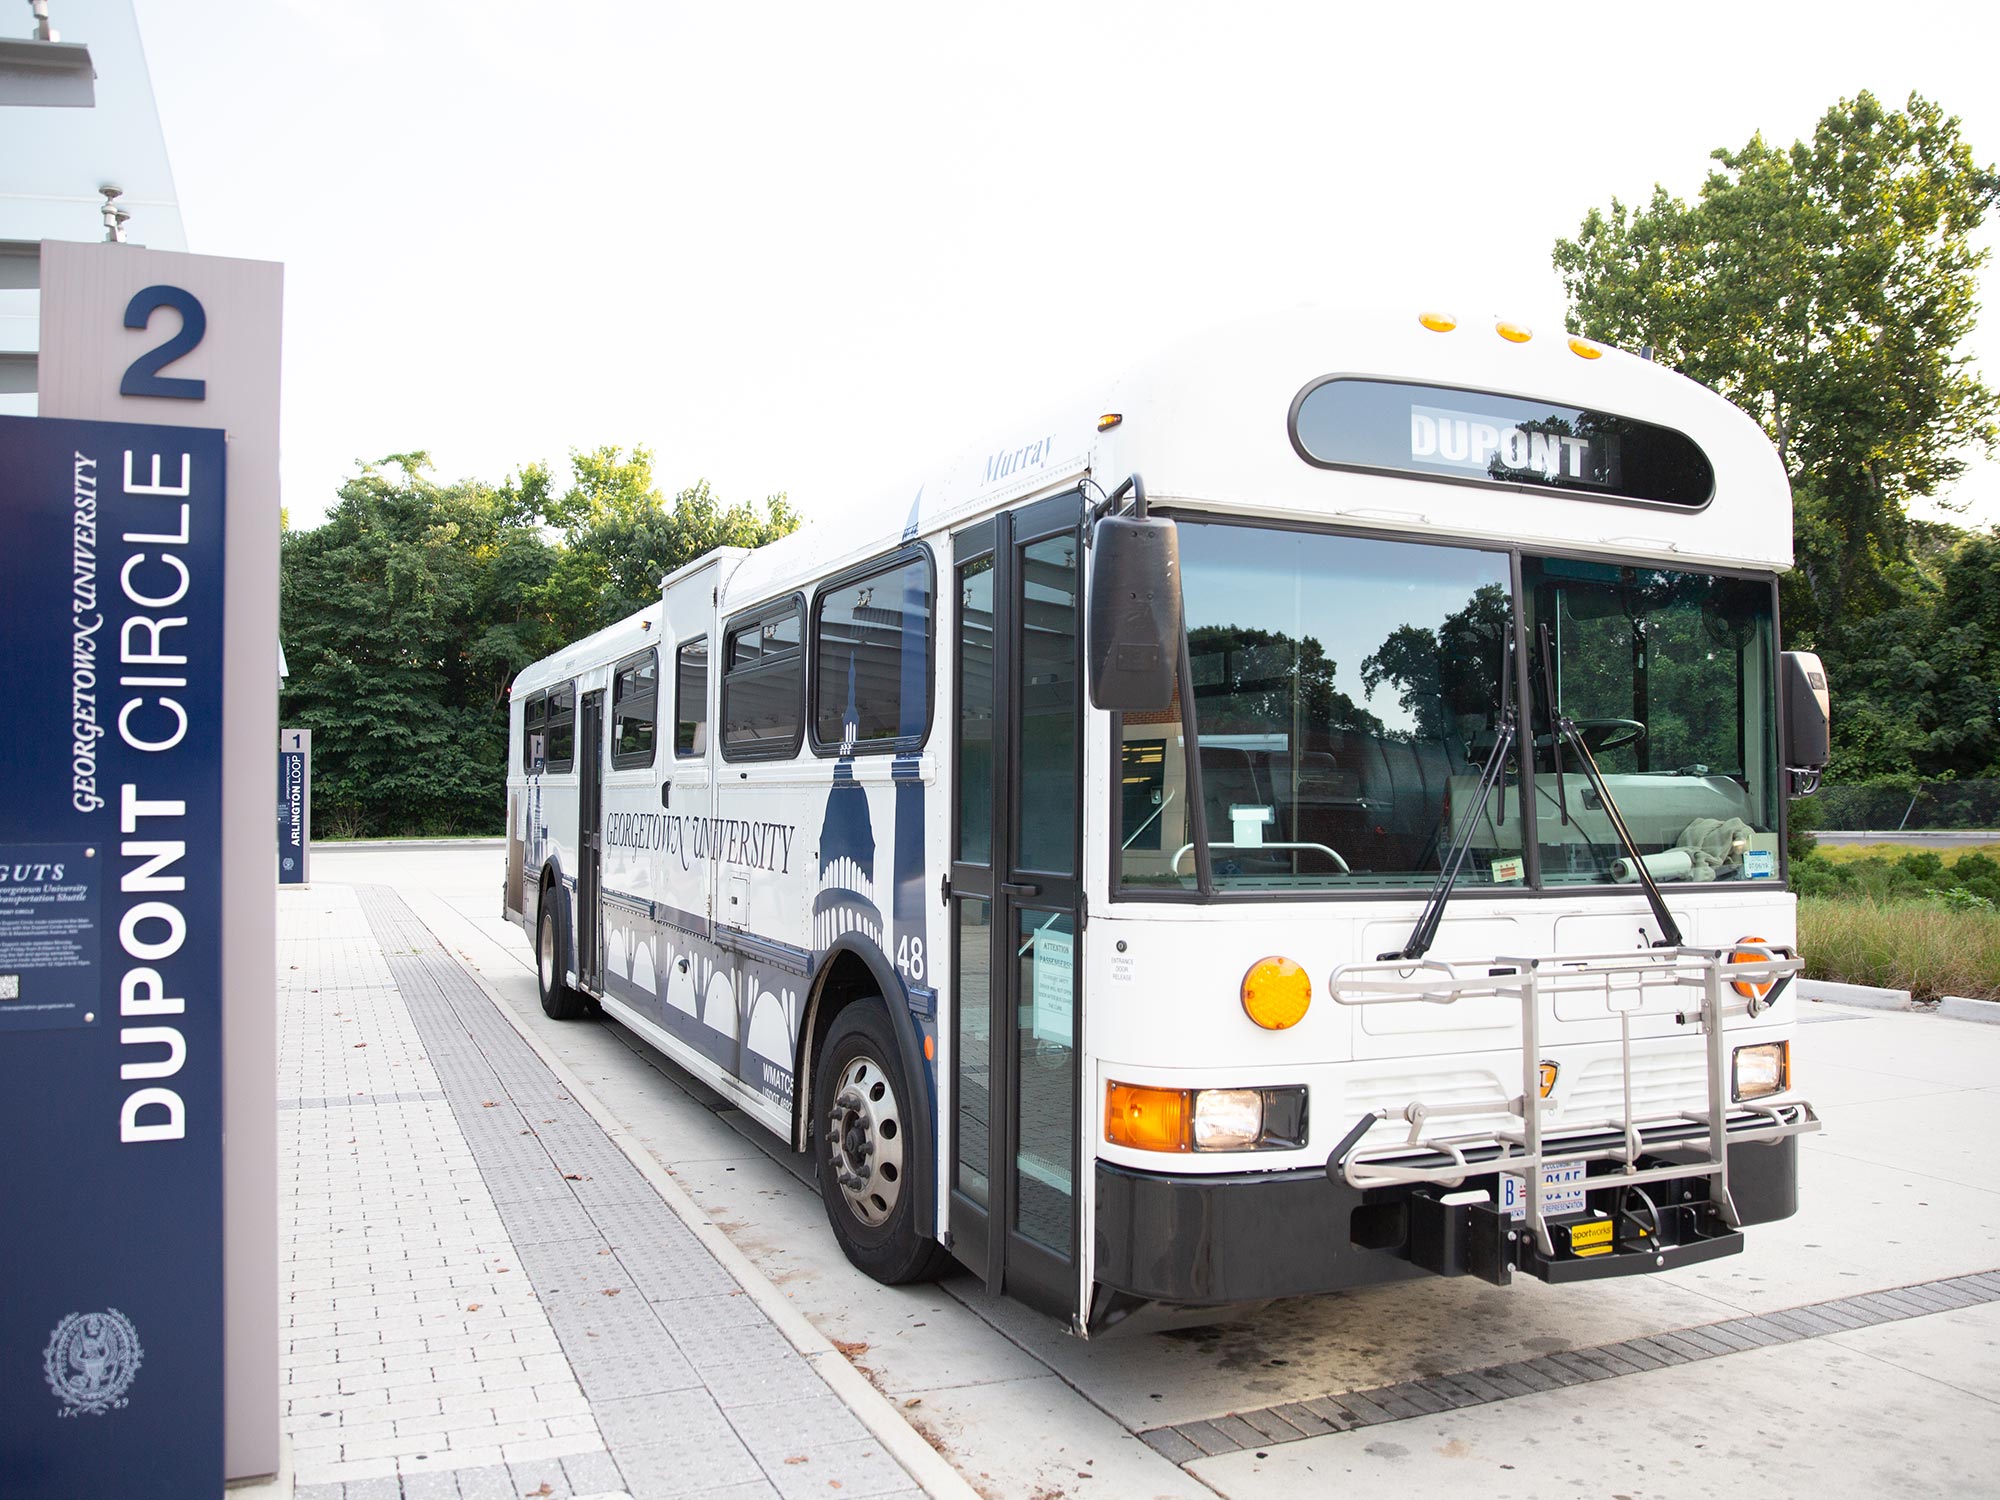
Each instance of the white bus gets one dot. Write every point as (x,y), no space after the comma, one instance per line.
(1353,851)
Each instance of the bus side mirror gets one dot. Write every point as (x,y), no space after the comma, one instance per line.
(1808,715)
(1135,613)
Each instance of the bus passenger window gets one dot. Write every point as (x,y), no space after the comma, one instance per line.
(764,687)
(634,711)
(691,698)
(871,660)
(534,726)
(562,728)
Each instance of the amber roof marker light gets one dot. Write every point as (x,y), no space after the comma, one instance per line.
(1438,322)
(1513,333)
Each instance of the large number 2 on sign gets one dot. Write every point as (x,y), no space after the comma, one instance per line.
(142,376)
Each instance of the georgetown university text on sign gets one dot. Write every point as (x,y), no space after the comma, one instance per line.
(112,582)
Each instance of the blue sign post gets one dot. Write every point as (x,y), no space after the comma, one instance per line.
(111,1289)
(294,806)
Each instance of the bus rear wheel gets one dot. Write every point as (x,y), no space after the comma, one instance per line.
(867,1170)
(559,1001)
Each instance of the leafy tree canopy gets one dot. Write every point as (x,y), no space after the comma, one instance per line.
(408,612)
(1827,288)
(618,538)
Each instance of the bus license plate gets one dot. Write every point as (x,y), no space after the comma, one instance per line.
(1562,1191)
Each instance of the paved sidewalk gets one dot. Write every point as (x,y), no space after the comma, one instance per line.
(484,1297)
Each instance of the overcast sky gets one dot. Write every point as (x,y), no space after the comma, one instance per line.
(809,247)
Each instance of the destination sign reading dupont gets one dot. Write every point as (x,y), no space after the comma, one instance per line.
(1472,441)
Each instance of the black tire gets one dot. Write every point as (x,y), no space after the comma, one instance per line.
(559,1001)
(867,1175)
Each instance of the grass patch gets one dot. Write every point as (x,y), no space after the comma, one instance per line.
(1847,854)
(1921,945)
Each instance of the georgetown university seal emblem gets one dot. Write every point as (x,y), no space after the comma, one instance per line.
(91,1360)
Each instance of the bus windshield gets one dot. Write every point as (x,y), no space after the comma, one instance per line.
(1668,676)
(1347,692)
(1341,684)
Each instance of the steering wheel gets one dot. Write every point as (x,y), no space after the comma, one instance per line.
(1600,735)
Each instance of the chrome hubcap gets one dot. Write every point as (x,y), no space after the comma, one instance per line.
(864,1141)
(548,951)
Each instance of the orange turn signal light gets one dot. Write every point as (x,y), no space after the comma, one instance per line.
(1749,989)
(1276,992)
(1147,1119)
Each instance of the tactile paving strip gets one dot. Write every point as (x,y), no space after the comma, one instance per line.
(1184,1442)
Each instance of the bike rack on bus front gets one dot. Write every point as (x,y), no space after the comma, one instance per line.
(1626,981)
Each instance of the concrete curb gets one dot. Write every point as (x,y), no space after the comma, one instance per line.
(1959,1008)
(1954,1007)
(476,841)
(877,1412)
(1854,994)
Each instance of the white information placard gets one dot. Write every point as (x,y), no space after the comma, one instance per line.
(1055,987)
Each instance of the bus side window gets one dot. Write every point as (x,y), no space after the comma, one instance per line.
(634,711)
(562,728)
(763,687)
(691,699)
(534,720)
(871,660)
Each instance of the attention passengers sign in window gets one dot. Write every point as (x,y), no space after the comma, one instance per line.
(1440,432)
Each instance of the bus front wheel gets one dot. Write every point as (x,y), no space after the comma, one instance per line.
(559,1001)
(866,1160)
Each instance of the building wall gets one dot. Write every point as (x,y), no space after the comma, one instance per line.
(55,160)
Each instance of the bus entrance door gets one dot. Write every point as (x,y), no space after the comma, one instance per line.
(590,842)
(1015,900)
(686,886)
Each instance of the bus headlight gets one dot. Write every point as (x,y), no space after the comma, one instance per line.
(1763,1069)
(1155,1119)
(1227,1119)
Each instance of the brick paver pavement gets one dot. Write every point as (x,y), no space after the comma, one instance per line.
(483,1296)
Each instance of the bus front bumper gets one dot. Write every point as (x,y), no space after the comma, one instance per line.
(1211,1240)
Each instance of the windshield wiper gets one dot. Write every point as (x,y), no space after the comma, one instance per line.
(1564,728)
(1425,932)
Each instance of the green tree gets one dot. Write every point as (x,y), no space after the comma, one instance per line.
(408,613)
(404,621)
(619,538)
(1920,689)
(1827,288)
